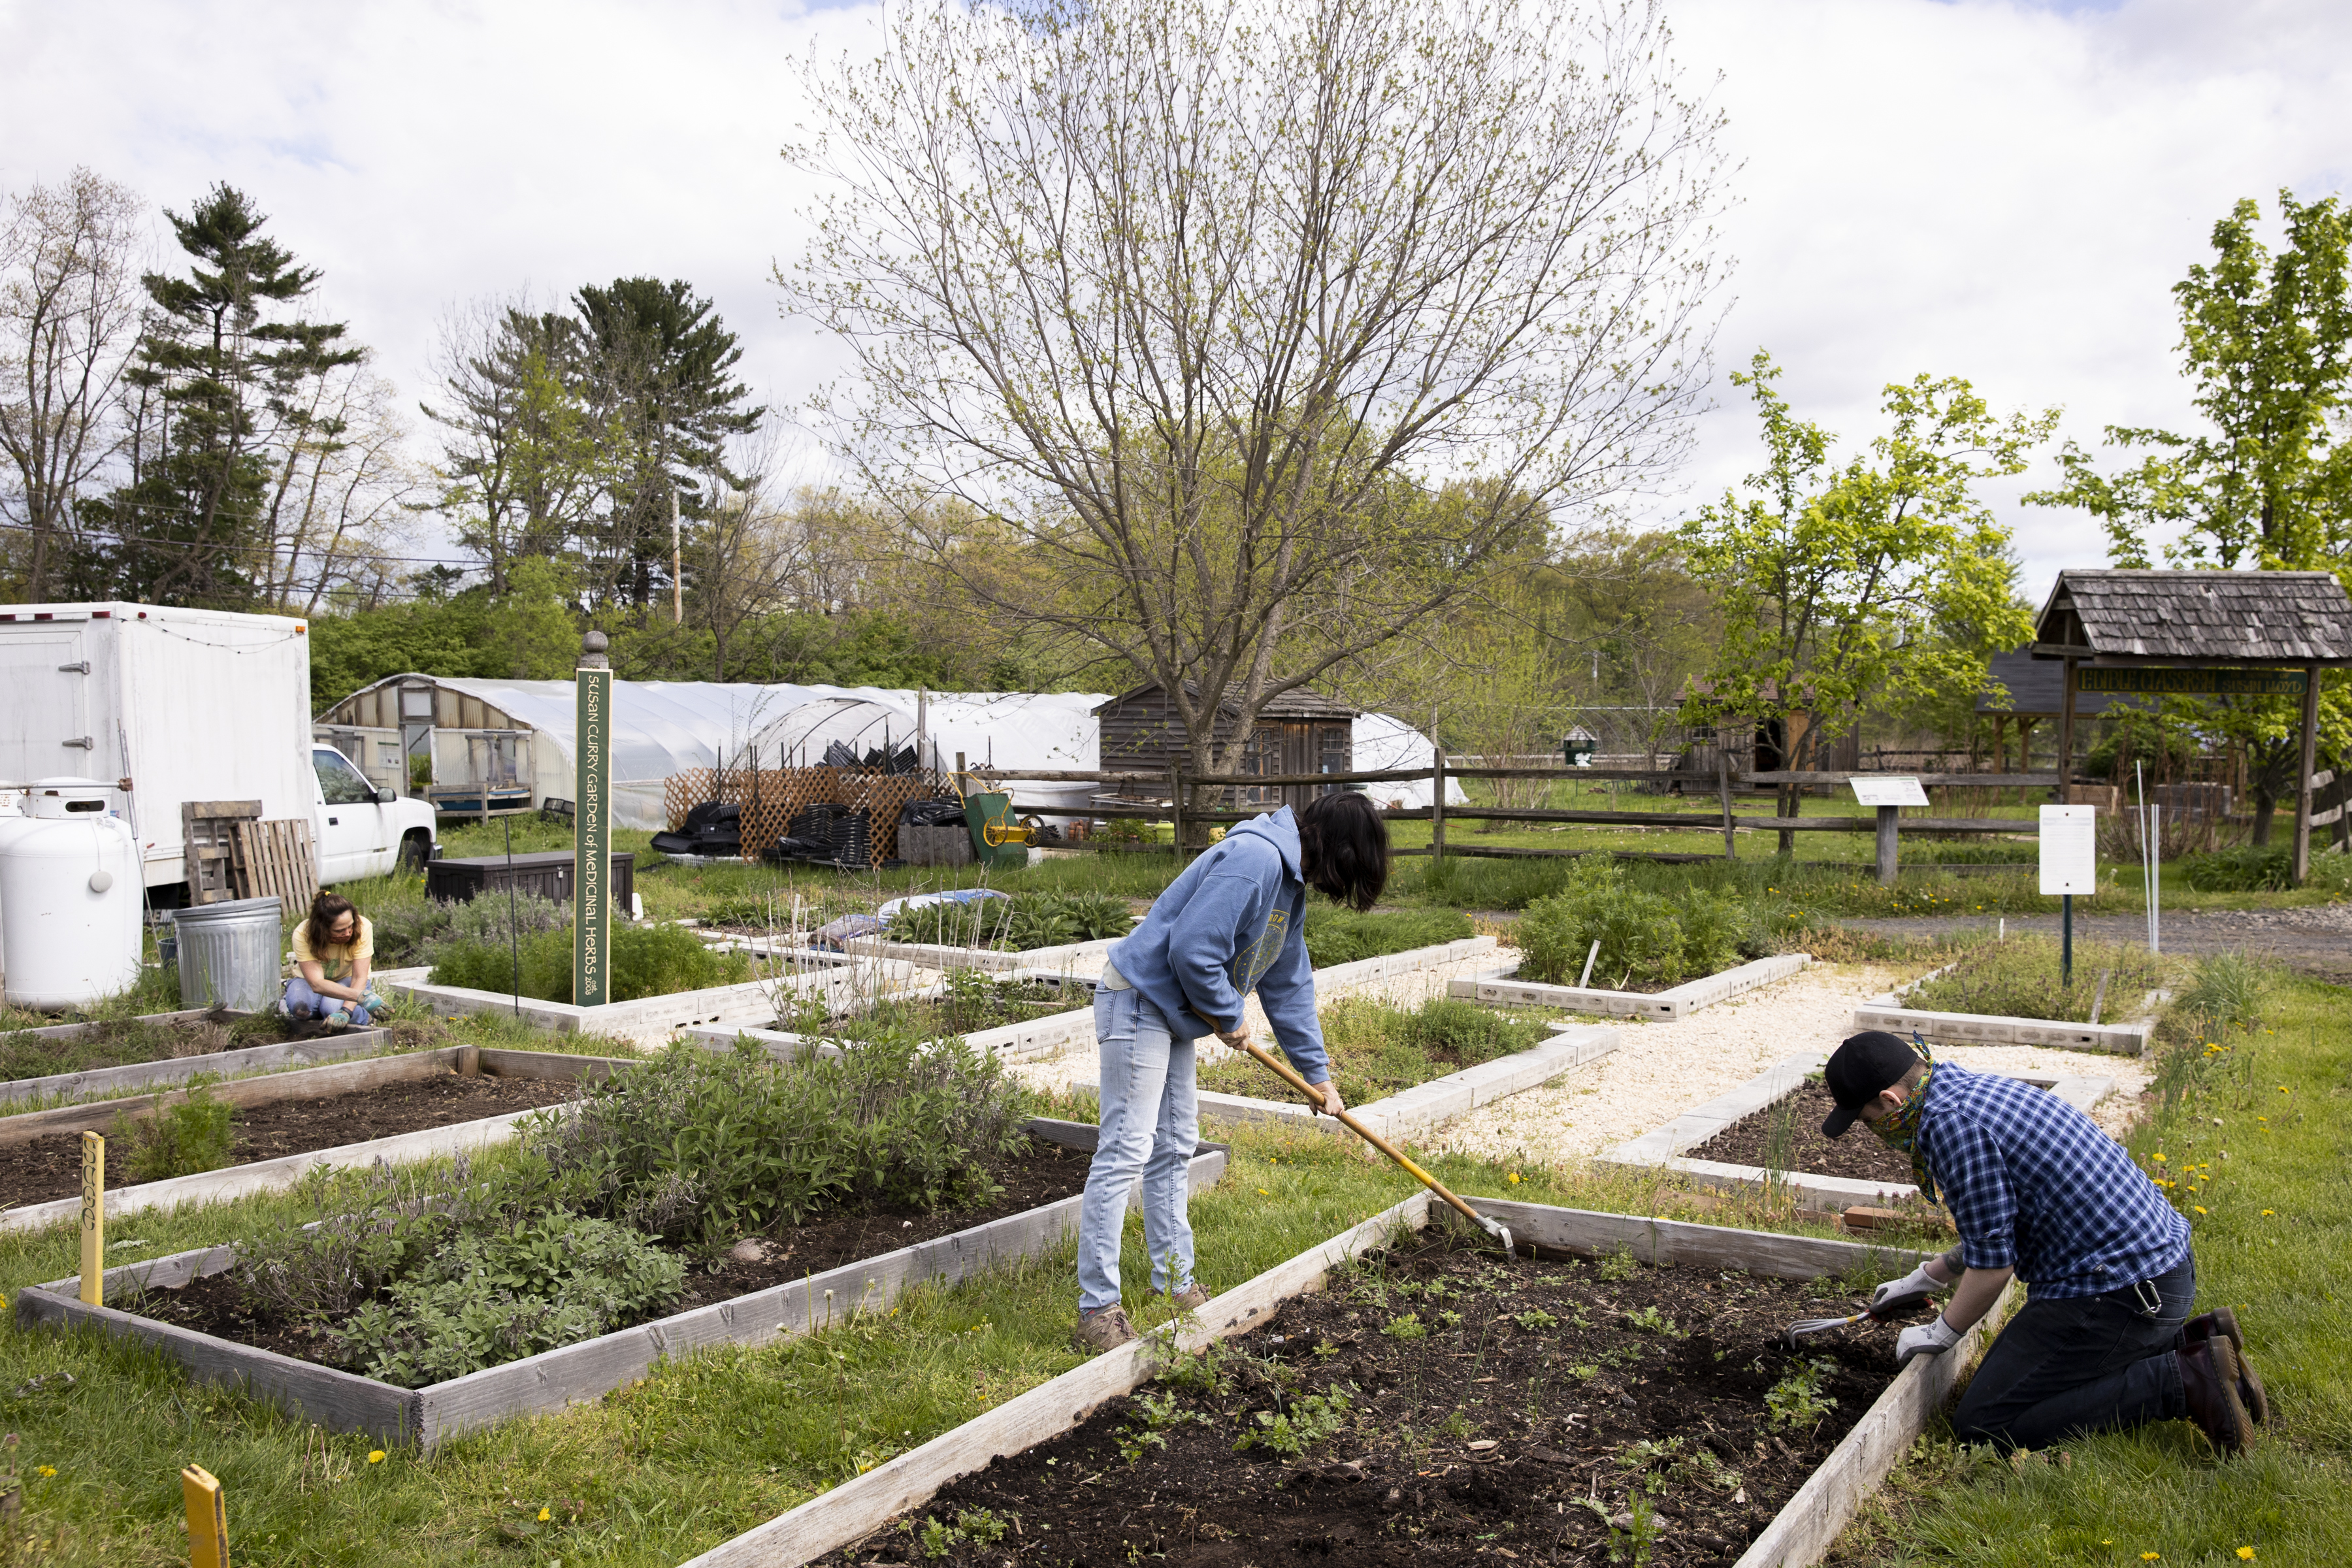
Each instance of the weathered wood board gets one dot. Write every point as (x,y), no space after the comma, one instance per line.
(179,1070)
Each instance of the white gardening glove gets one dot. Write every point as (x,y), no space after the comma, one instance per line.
(1330,1090)
(1911,1284)
(1932,1336)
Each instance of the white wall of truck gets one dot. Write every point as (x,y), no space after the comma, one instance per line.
(170,705)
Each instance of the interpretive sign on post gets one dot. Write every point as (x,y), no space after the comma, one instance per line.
(2070,850)
(93,1220)
(2150,680)
(592,868)
(1891,791)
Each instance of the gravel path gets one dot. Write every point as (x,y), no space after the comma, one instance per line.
(2315,939)
(1660,1070)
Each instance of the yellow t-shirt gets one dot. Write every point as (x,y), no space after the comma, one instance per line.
(335,960)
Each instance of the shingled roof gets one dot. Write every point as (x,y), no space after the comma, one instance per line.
(1298,702)
(2216,617)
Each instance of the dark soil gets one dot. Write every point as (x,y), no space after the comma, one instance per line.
(50,1167)
(120,1042)
(1859,1154)
(1040,1174)
(1482,1441)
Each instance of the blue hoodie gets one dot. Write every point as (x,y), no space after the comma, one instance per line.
(1235,920)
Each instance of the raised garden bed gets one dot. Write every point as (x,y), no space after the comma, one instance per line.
(1855,1169)
(118,1056)
(1676,1440)
(394,1108)
(1503,987)
(784,1292)
(650,1020)
(1996,995)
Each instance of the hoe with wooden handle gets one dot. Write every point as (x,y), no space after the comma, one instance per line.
(1283,1071)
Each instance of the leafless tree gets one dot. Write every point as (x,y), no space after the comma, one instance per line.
(1263,330)
(70,257)
(341,497)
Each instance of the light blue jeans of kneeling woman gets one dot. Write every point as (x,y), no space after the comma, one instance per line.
(1150,1125)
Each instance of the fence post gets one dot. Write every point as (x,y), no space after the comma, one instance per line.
(1437,802)
(1176,809)
(1887,834)
(1722,769)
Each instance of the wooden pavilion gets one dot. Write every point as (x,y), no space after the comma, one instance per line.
(2202,633)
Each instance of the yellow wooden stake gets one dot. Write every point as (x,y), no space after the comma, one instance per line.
(208,1519)
(93,1220)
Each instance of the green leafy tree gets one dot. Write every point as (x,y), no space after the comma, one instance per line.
(1841,587)
(2266,343)
(214,380)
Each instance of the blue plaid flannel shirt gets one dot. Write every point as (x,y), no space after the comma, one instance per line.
(2032,1183)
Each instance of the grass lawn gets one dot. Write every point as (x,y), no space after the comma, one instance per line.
(654,1473)
(2256,1137)
(1377,1049)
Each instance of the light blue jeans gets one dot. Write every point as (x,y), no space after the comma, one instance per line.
(301,1002)
(1150,1125)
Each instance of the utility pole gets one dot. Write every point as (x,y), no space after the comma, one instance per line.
(677,563)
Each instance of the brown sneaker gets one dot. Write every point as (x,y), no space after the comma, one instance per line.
(1109,1329)
(1192,1299)
(2208,1376)
(2222,1322)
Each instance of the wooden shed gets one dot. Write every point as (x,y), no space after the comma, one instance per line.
(2156,634)
(1301,731)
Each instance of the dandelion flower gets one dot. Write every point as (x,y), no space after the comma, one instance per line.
(2267,1213)
(2245,1554)
(1264,1193)
(544,1516)
(1515,1178)
(375,1456)
(2159,1159)
(2198,1207)
(46,1470)
(2149,1556)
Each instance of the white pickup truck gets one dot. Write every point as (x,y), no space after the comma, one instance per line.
(173,706)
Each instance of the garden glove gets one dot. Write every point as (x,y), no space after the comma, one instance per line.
(1932,1336)
(1330,1090)
(1917,1282)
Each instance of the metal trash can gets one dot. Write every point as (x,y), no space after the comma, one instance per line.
(229,955)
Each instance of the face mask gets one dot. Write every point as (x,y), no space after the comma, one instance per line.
(1900,1132)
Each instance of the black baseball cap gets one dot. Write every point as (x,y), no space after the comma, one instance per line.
(1858,1069)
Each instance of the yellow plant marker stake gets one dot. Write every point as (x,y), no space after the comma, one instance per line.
(93,1220)
(208,1519)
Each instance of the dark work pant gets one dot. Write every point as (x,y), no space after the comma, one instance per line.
(2082,1364)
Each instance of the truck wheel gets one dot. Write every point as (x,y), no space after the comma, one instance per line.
(415,851)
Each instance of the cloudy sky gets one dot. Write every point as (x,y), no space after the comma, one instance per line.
(2003,190)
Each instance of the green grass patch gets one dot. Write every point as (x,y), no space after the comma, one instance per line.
(2023,978)
(1336,935)
(1377,1049)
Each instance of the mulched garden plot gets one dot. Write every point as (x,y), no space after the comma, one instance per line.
(1041,1174)
(1542,1410)
(1859,1154)
(43,1169)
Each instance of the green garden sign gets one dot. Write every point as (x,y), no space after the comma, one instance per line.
(592,841)
(2153,682)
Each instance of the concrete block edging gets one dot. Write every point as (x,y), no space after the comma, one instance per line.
(1502,986)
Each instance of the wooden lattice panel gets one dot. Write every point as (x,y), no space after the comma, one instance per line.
(771,798)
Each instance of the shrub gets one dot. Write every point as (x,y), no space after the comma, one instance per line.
(489,1295)
(2246,868)
(648,961)
(1336,935)
(1021,924)
(197,1133)
(710,1144)
(1647,939)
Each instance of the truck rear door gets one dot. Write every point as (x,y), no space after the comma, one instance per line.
(44,713)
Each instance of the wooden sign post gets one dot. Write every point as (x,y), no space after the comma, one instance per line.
(208,1519)
(93,1220)
(592,838)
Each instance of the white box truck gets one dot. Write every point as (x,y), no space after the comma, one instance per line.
(172,705)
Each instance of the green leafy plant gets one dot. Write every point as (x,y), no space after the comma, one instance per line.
(2019,978)
(1207,1374)
(1650,1321)
(1406,1326)
(1617,1265)
(1535,1322)
(1797,1400)
(1338,935)
(194,1133)
(648,961)
(1646,938)
(1021,924)
(1301,1424)
(2230,990)
(981,1526)
(1159,1412)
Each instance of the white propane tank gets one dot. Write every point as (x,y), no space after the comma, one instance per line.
(71,883)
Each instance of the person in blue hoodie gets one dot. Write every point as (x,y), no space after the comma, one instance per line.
(1233,922)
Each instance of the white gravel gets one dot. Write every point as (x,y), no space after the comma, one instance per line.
(1660,1070)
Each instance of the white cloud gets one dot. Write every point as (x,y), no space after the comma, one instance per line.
(2001,190)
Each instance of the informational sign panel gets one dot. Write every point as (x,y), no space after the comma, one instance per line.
(2070,849)
(2155,682)
(1890,791)
(592,866)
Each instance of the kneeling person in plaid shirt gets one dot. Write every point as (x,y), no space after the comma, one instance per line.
(2037,1191)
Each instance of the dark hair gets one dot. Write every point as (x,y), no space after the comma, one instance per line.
(325,910)
(1343,848)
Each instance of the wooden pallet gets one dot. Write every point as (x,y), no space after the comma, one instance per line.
(273,859)
(207,831)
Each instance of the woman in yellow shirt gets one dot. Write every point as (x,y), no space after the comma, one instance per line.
(333,950)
